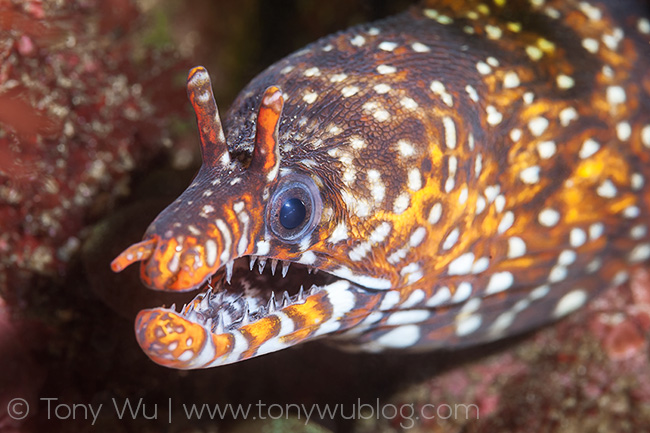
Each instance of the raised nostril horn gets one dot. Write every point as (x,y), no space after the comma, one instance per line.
(213,141)
(137,252)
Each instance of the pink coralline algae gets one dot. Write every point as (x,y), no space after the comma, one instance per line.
(77,114)
(587,373)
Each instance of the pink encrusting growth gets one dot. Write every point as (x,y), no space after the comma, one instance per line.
(455,174)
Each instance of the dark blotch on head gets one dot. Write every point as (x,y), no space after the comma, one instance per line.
(425,167)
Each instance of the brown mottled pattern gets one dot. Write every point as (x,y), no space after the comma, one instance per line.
(520,125)
(483,167)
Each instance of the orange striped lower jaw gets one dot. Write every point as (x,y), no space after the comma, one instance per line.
(227,324)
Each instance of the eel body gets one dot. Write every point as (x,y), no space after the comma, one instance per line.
(455,174)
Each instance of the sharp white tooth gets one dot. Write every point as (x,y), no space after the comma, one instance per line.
(220,326)
(245,320)
(173,307)
(286,299)
(274,264)
(229,267)
(271,305)
(285,268)
(261,265)
(251,263)
(301,294)
(315,271)
(309,270)
(313,290)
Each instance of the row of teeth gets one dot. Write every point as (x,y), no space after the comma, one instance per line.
(261,264)
(218,325)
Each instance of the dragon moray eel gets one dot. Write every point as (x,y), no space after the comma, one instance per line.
(458,173)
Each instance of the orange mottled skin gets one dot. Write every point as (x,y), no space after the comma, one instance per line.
(464,171)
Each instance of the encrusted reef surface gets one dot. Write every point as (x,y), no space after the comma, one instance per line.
(96,137)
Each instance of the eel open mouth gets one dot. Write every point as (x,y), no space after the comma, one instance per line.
(250,288)
(249,307)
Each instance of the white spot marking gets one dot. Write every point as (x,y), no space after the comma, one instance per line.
(441,296)
(643,26)
(380,233)
(451,239)
(567,115)
(405,148)
(401,203)
(640,253)
(312,72)
(263,248)
(607,189)
(546,149)
(463,292)
(382,88)
(590,45)
(408,103)
(577,237)
(471,91)
(407,317)
(565,81)
(349,91)
(401,337)
(623,131)
(420,48)
(530,175)
(210,252)
(566,257)
(631,212)
(589,147)
(450,132)
(417,237)
(511,80)
(337,78)
(638,232)
(358,41)
(570,302)
(340,233)
(387,46)
(516,247)
(548,217)
(494,117)
(386,69)
(483,68)
(538,125)
(506,222)
(462,265)
(310,97)
(435,213)
(615,95)
(467,325)
(499,282)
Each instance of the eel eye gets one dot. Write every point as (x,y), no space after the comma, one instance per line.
(292,213)
(295,208)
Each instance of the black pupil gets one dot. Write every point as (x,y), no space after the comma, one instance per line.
(292,213)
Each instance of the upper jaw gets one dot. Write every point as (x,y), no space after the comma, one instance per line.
(246,290)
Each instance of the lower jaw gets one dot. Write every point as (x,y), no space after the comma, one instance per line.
(230,322)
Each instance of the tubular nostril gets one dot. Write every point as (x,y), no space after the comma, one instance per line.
(137,252)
